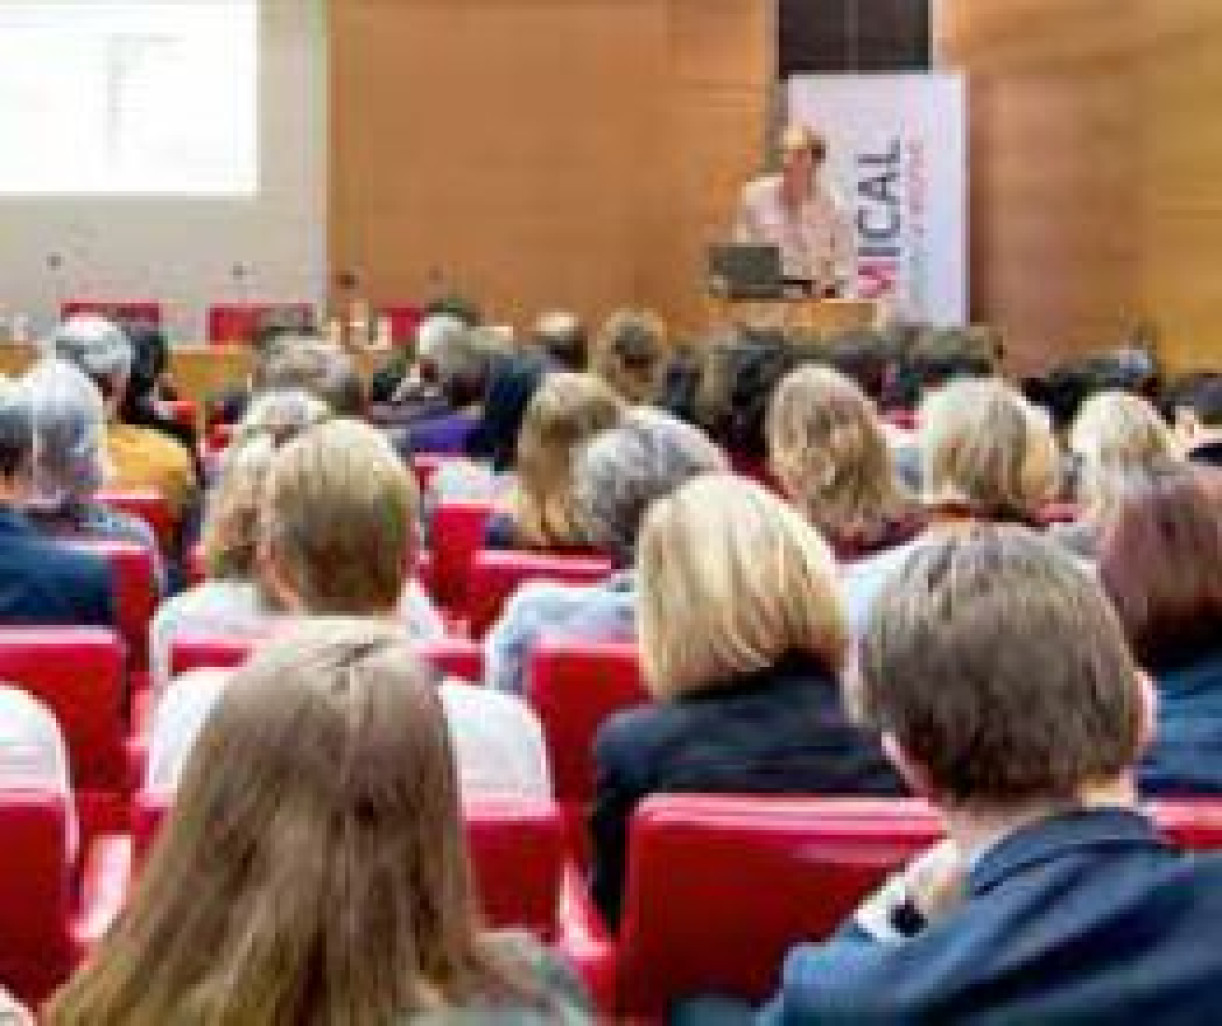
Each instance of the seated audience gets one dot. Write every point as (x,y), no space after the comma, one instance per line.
(140,456)
(462,365)
(337,536)
(1054,900)
(630,355)
(742,641)
(829,453)
(541,513)
(406,390)
(561,337)
(313,365)
(148,388)
(1196,411)
(1115,434)
(231,601)
(987,455)
(34,757)
(70,461)
(42,581)
(314,867)
(617,478)
(1161,562)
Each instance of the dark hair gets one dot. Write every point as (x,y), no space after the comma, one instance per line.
(867,357)
(564,340)
(939,356)
(512,385)
(150,356)
(1161,562)
(453,305)
(739,377)
(16,429)
(1201,393)
(999,666)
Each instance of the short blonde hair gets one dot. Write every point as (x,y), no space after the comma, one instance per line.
(566,411)
(985,447)
(1115,435)
(630,354)
(829,452)
(338,520)
(730,580)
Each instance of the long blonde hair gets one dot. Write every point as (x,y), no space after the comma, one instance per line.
(566,411)
(313,871)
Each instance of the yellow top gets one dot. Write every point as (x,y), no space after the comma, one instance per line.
(144,458)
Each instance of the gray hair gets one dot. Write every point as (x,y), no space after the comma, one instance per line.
(69,428)
(16,429)
(622,472)
(97,346)
(435,332)
(281,415)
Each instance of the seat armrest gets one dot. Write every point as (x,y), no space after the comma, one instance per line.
(105,879)
(584,940)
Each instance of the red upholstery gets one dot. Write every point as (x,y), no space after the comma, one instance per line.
(574,686)
(135,591)
(426,465)
(230,323)
(185,412)
(197,572)
(516,848)
(219,437)
(496,575)
(455,657)
(149,506)
(404,320)
(457,535)
(124,311)
(77,672)
(1058,513)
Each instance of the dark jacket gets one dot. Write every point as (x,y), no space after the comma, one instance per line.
(43,581)
(781,730)
(1085,918)
(1186,757)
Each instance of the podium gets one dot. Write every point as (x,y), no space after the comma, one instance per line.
(816,316)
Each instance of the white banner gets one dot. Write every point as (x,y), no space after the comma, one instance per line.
(897,155)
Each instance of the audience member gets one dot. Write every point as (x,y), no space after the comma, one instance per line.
(141,457)
(630,355)
(829,453)
(147,388)
(1196,411)
(314,868)
(1161,562)
(987,455)
(231,602)
(34,757)
(42,581)
(742,642)
(561,337)
(407,387)
(300,362)
(566,411)
(463,365)
(337,536)
(617,478)
(1054,899)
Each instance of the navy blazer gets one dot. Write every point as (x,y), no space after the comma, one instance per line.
(1087,917)
(1186,757)
(44,581)
(782,730)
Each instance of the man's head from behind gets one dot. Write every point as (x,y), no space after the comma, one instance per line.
(102,350)
(315,366)
(999,676)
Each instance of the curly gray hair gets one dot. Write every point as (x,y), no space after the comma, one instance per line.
(69,433)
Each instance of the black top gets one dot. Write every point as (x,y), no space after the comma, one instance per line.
(781,730)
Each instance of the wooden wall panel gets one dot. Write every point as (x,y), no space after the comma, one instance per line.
(531,152)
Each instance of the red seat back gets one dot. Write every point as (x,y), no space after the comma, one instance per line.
(135,589)
(122,312)
(457,534)
(36,952)
(516,850)
(426,464)
(149,506)
(404,320)
(238,323)
(185,412)
(496,575)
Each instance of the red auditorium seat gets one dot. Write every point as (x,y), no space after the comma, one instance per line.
(149,506)
(237,323)
(185,412)
(77,672)
(404,320)
(496,575)
(123,312)
(44,928)
(426,465)
(456,657)
(135,592)
(573,686)
(457,535)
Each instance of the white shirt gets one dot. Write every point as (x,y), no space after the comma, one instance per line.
(816,241)
(498,741)
(33,756)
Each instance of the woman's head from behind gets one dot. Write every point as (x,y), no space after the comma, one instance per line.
(567,411)
(986,448)
(69,419)
(731,580)
(630,354)
(828,450)
(313,869)
(1161,562)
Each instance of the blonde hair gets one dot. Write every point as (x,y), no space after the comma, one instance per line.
(313,870)
(566,411)
(338,520)
(828,450)
(730,580)
(1116,434)
(984,446)
(630,354)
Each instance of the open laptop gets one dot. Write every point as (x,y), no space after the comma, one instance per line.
(745,271)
